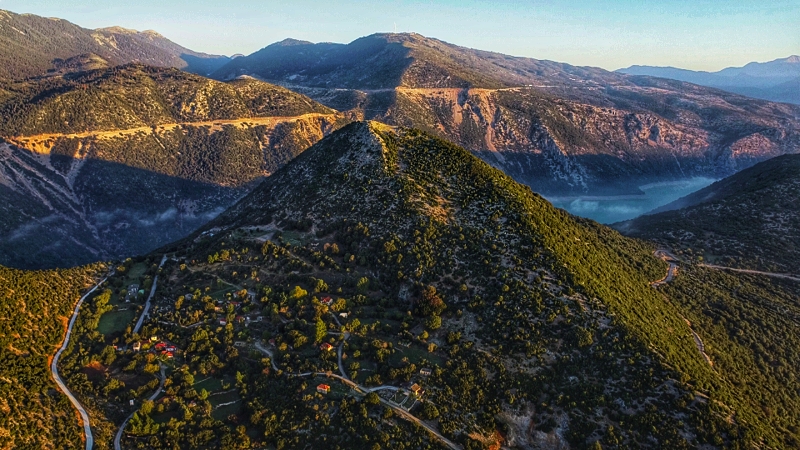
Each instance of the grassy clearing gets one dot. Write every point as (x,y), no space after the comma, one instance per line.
(295,238)
(116,321)
(136,271)
(209,384)
(219,294)
(415,355)
(226,397)
(223,412)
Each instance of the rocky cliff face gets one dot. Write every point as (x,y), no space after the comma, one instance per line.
(572,146)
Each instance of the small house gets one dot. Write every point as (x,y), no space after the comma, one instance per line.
(326,301)
(323,389)
(272,342)
(153,338)
(137,346)
(326,347)
(425,372)
(223,322)
(343,315)
(416,389)
(240,344)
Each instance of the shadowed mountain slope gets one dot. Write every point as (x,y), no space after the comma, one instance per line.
(749,220)
(115,162)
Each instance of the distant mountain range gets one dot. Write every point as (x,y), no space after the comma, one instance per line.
(559,128)
(97,155)
(31,45)
(777,80)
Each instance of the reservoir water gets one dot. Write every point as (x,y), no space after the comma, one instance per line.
(612,209)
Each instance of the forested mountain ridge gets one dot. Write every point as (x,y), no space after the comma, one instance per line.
(113,162)
(33,46)
(35,308)
(750,220)
(535,324)
(560,129)
(135,96)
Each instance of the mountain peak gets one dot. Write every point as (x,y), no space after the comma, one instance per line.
(288,42)
(118,29)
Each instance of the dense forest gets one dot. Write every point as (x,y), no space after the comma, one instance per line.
(34,310)
(749,327)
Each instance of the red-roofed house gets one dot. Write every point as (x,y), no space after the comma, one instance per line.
(326,301)
(323,388)
(325,347)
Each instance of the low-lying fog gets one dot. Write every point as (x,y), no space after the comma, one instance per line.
(624,207)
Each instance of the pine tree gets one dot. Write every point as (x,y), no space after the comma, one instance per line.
(321,330)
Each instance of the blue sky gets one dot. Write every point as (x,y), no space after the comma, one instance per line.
(693,34)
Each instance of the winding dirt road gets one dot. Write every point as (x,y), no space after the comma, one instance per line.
(672,272)
(753,272)
(87,427)
(118,437)
(43,143)
(149,297)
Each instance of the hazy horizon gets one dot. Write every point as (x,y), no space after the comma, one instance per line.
(611,34)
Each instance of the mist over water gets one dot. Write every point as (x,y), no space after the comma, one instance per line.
(624,207)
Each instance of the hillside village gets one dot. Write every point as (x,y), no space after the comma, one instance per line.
(339,324)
